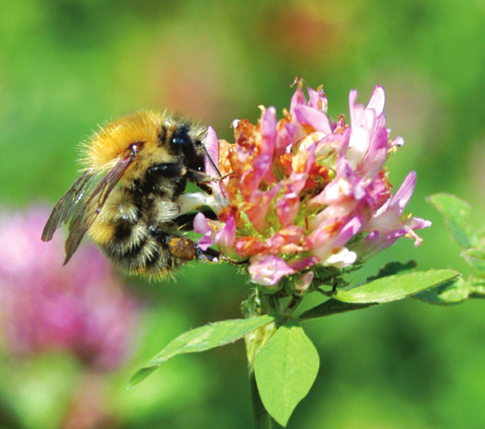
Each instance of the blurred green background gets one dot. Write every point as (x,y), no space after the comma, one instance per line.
(68,65)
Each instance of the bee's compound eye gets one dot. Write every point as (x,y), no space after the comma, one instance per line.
(182,142)
(181,137)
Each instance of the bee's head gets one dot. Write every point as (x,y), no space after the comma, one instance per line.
(182,142)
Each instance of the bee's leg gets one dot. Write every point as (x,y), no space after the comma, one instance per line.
(186,249)
(215,257)
(201,178)
(209,255)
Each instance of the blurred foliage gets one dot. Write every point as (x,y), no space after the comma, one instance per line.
(67,65)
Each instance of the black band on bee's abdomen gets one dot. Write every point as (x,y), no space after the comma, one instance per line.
(123,231)
(152,260)
(126,243)
(137,248)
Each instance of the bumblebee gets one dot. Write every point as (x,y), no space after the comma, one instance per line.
(129,199)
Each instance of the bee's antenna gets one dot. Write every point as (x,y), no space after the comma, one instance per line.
(211,161)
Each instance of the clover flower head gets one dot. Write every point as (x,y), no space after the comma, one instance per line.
(307,191)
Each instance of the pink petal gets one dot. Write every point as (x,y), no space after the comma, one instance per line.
(369,139)
(284,138)
(301,264)
(201,226)
(304,281)
(377,100)
(307,115)
(268,135)
(317,100)
(259,203)
(287,238)
(359,138)
(298,97)
(226,236)
(287,208)
(345,190)
(378,191)
(387,218)
(200,223)
(405,191)
(268,270)
(211,144)
(375,243)
(251,179)
(376,155)
(350,229)
(301,165)
(219,191)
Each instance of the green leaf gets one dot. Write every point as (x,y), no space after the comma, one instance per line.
(476,259)
(456,212)
(392,268)
(453,292)
(330,307)
(395,287)
(477,288)
(201,339)
(285,369)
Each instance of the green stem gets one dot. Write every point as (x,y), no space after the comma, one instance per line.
(292,305)
(261,417)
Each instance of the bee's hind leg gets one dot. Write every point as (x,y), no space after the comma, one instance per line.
(214,257)
(209,255)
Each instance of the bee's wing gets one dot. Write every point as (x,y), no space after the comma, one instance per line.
(68,203)
(87,213)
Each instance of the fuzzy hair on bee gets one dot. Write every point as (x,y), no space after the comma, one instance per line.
(129,199)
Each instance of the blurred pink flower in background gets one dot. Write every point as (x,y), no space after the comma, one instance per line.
(78,308)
